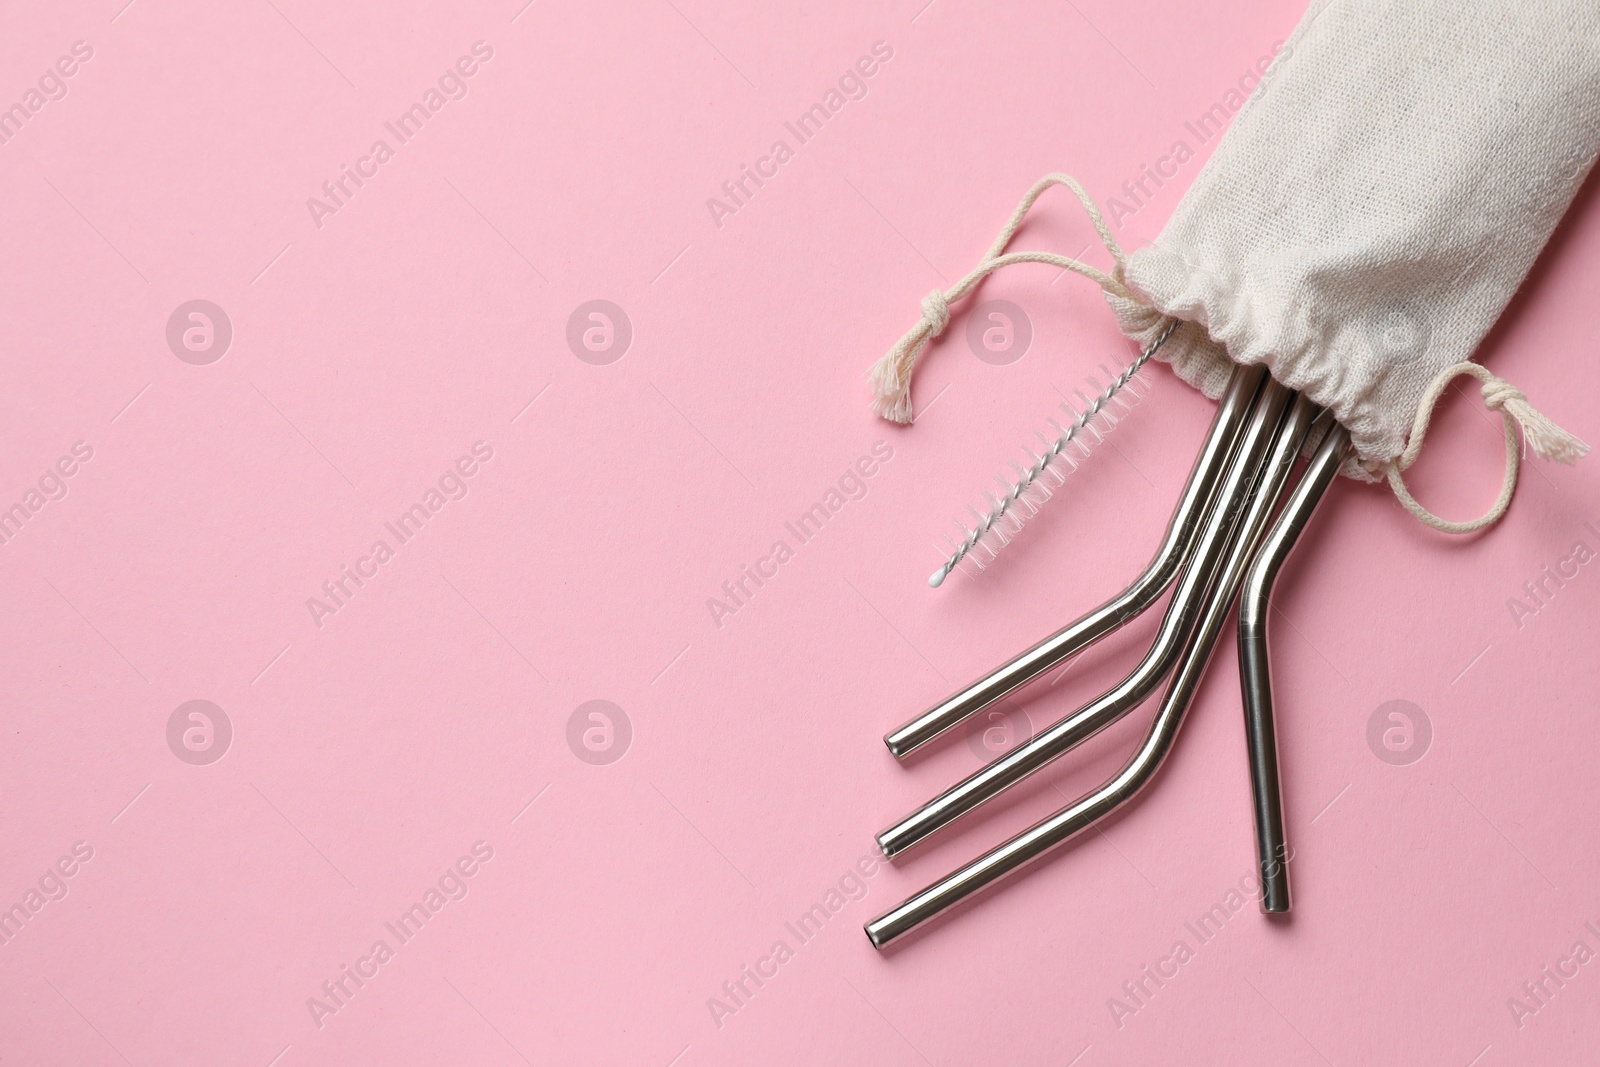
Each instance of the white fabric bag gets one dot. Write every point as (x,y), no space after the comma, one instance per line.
(1364,220)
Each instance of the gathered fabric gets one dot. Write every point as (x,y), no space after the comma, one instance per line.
(1361,226)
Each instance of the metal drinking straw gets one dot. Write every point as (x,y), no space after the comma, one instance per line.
(1255,677)
(1254,483)
(1174,552)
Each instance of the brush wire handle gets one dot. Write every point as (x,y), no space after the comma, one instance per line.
(991,524)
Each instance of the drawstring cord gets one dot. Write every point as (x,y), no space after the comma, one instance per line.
(891,375)
(1547,440)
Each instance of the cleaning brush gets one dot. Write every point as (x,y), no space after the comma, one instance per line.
(1046,468)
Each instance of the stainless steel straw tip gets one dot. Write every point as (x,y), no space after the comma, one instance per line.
(891,926)
(902,835)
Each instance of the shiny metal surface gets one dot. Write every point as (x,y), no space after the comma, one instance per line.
(1050,833)
(1188,601)
(1169,558)
(1255,676)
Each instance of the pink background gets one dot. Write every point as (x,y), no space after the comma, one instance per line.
(373,751)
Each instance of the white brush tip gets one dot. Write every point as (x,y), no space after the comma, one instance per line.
(936,579)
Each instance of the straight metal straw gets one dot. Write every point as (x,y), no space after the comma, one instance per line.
(1077,636)
(1188,601)
(1255,675)
(1048,834)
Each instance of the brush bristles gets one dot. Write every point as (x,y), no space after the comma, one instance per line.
(1043,469)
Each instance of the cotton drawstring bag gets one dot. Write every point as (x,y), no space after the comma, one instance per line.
(1362,223)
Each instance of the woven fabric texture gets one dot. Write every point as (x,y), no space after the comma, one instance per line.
(1376,202)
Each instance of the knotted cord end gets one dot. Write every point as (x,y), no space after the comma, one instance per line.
(1547,440)
(891,375)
